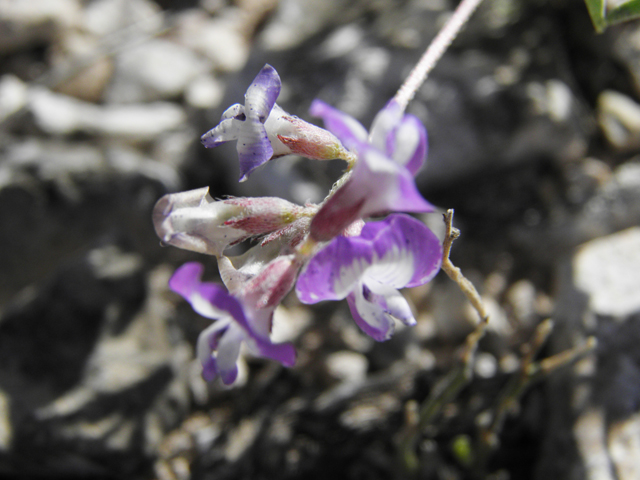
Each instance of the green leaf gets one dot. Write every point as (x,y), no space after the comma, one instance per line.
(596,11)
(624,12)
(605,13)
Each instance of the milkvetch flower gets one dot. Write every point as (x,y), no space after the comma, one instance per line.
(235,322)
(368,270)
(265,131)
(382,179)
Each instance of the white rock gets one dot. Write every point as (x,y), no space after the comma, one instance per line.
(103,17)
(219,39)
(27,22)
(62,115)
(154,70)
(297,20)
(13,95)
(619,118)
(608,271)
(204,92)
(347,366)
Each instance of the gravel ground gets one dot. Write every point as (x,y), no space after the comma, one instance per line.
(534,136)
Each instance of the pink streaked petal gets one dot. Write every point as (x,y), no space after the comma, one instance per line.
(370,317)
(337,214)
(273,283)
(348,130)
(334,271)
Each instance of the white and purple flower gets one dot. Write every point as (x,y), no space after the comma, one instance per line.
(265,131)
(382,179)
(235,322)
(368,270)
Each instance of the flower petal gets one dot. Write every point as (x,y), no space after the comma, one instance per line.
(233,326)
(228,129)
(334,271)
(377,186)
(228,351)
(262,94)
(348,130)
(408,254)
(253,147)
(208,299)
(284,353)
(390,187)
(385,121)
(193,221)
(407,144)
(390,300)
(207,343)
(372,319)
(398,251)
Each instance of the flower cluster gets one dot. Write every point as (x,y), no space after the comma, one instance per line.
(329,251)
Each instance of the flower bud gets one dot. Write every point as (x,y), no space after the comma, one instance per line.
(194,221)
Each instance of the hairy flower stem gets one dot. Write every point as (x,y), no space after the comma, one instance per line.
(435,50)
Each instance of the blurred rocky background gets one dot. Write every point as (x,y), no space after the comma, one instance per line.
(534,129)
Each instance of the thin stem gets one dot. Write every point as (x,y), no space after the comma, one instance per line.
(435,50)
(454,272)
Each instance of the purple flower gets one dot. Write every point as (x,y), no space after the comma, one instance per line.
(382,179)
(265,131)
(402,137)
(368,270)
(234,323)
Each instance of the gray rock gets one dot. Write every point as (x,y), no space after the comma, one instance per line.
(614,205)
(96,377)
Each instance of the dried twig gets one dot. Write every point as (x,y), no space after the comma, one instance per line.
(448,388)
